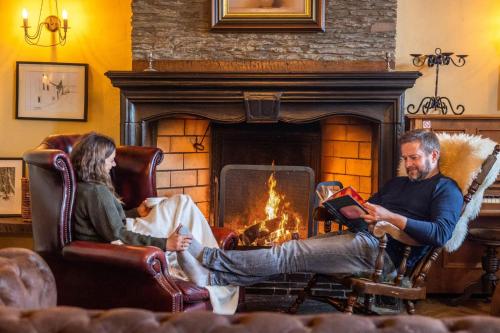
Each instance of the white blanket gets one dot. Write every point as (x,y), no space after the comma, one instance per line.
(163,220)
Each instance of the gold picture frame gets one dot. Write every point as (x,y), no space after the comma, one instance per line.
(268,15)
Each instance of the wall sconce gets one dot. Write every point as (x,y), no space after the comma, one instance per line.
(437,102)
(52,23)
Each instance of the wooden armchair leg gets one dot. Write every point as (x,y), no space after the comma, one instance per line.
(369,299)
(410,307)
(352,297)
(301,297)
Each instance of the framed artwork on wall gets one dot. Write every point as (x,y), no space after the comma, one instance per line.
(51,91)
(268,15)
(11,172)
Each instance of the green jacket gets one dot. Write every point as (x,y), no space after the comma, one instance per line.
(99,217)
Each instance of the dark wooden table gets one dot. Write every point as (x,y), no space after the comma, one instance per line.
(10,225)
(14,232)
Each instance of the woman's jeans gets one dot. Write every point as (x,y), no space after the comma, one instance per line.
(327,254)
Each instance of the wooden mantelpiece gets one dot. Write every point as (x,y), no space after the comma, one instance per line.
(233,97)
(261,66)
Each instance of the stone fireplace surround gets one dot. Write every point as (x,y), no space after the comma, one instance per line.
(376,97)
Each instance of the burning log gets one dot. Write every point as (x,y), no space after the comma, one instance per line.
(280,224)
(262,233)
(257,231)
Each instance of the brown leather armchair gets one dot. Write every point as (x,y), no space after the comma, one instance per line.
(101,275)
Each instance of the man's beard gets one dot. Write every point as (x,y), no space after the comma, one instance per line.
(420,174)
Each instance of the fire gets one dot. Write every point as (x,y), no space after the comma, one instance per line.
(281,222)
(273,200)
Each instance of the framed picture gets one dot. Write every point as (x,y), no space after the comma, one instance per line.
(270,15)
(11,172)
(51,91)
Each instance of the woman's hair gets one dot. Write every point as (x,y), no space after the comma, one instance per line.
(88,158)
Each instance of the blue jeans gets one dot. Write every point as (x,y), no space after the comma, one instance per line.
(327,254)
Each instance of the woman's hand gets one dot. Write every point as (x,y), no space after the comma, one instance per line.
(176,242)
(143,210)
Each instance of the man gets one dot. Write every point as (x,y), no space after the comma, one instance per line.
(425,204)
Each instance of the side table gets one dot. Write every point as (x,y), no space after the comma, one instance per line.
(14,232)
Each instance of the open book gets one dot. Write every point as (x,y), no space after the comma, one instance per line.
(347,206)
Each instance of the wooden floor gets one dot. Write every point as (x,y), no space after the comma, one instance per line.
(437,308)
(433,307)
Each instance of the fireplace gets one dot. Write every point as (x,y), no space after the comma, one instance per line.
(266,204)
(264,108)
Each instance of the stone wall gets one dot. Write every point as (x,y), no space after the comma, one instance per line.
(180,30)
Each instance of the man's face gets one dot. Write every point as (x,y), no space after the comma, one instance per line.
(418,164)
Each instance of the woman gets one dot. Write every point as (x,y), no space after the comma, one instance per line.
(99,216)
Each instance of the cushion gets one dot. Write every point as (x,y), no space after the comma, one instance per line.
(192,293)
(26,281)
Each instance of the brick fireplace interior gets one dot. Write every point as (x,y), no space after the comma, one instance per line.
(342,148)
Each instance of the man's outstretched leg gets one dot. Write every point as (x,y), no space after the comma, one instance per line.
(345,253)
(203,277)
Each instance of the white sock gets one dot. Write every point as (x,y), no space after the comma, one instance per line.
(195,248)
(193,269)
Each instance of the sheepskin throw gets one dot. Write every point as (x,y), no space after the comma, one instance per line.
(461,158)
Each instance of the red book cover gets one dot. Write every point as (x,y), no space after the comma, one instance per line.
(347,202)
(350,192)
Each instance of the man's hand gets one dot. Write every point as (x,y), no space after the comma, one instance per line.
(378,213)
(176,242)
(375,213)
(143,210)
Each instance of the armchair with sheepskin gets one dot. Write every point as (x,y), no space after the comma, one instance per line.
(469,160)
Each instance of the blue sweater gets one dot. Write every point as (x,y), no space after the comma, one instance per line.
(432,207)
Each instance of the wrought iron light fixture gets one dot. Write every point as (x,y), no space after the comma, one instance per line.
(436,102)
(52,23)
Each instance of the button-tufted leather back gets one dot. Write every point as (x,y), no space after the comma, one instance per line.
(26,280)
(64,142)
(78,320)
(134,176)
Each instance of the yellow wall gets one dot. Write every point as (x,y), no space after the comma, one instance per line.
(99,36)
(462,26)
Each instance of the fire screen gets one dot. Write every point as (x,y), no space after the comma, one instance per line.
(266,204)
